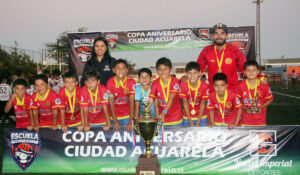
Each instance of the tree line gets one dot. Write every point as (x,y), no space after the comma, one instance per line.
(15,59)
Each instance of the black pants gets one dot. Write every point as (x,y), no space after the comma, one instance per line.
(294,81)
(2,106)
(2,113)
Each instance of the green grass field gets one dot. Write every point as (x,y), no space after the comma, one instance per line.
(283,111)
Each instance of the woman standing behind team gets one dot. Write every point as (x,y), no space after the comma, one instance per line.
(101,61)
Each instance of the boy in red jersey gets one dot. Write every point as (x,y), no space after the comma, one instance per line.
(44,104)
(20,100)
(166,89)
(94,101)
(70,96)
(224,106)
(255,96)
(194,94)
(121,90)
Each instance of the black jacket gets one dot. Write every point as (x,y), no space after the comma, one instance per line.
(104,68)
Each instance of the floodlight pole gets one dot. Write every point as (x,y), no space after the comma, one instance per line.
(257,36)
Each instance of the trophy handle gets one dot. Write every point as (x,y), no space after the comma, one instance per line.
(136,126)
(159,125)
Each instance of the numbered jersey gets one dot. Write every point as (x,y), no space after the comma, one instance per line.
(5,92)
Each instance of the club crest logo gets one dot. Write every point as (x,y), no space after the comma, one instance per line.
(204,34)
(258,94)
(126,91)
(176,86)
(263,143)
(47,103)
(57,101)
(112,40)
(24,147)
(228,105)
(228,61)
(84,53)
(106,68)
(105,96)
(242,45)
(198,94)
(76,100)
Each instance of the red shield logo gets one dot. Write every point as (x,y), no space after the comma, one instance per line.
(24,147)
(112,40)
(84,53)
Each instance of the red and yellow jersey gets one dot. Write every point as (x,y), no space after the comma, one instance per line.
(233,58)
(174,115)
(121,92)
(263,94)
(45,106)
(70,110)
(189,94)
(95,104)
(229,109)
(22,109)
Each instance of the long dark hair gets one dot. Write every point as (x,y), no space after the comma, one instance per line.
(106,54)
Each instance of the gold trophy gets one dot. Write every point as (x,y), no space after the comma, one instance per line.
(253,107)
(147,128)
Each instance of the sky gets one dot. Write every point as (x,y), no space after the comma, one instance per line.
(32,23)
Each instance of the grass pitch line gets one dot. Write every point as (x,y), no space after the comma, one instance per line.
(285,104)
(286,95)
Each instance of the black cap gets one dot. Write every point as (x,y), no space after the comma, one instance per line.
(218,26)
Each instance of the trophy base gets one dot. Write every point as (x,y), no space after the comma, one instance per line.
(148,166)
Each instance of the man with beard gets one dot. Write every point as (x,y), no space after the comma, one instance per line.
(221,57)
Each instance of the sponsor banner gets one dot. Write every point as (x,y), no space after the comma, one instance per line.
(185,150)
(242,37)
(180,38)
(81,45)
(154,40)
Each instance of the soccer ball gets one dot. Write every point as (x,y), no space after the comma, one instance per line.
(23,156)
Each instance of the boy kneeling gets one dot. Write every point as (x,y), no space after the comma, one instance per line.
(224,106)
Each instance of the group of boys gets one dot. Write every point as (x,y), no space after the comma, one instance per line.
(186,103)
